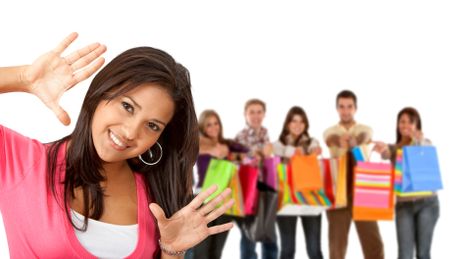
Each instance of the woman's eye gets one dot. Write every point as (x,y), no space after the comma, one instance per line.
(127,107)
(154,126)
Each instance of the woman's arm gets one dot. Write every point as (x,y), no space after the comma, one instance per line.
(419,139)
(286,151)
(12,79)
(383,149)
(314,147)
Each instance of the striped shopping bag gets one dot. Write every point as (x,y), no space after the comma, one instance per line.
(236,194)
(373,191)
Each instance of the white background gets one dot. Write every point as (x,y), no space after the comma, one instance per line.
(390,53)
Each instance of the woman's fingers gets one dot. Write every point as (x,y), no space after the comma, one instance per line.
(219,211)
(201,197)
(65,43)
(88,71)
(205,209)
(83,55)
(220,228)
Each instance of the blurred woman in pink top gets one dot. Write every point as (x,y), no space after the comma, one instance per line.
(135,143)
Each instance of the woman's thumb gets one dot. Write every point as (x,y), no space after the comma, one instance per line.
(60,113)
(158,212)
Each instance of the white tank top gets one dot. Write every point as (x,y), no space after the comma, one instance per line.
(105,240)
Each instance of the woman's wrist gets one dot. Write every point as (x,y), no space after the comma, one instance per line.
(13,79)
(23,80)
(385,153)
(166,249)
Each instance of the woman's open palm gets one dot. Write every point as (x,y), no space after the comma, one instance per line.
(51,74)
(188,226)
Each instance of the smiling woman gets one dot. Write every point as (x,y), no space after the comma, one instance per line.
(131,123)
(135,142)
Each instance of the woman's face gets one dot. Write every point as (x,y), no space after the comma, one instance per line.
(212,127)
(128,125)
(406,126)
(296,126)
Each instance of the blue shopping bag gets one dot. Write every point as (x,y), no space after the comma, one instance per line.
(421,169)
(361,153)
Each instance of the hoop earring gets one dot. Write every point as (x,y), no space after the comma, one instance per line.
(151,155)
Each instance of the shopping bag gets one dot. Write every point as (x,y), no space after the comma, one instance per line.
(361,153)
(398,179)
(334,171)
(269,172)
(421,169)
(261,226)
(219,172)
(298,203)
(237,209)
(248,176)
(306,173)
(373,191)
(202,166)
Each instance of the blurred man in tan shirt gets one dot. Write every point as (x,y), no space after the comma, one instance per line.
(340,139)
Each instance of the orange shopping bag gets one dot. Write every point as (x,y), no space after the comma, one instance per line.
(306,173)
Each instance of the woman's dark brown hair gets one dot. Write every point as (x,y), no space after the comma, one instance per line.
(169,182)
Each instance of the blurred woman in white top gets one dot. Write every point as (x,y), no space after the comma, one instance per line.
(294,138)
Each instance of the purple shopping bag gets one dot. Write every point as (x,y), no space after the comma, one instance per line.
(270,172)
(202,166)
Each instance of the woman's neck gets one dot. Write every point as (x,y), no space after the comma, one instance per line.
(116,171)
(291,138)
(209,140)
(214,140)
(404,141)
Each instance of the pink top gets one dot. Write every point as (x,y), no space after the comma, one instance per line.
(35,223)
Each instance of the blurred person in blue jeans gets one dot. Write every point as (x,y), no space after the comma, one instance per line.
(415,215)
(256,138)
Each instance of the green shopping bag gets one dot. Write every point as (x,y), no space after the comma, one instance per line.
(219,172)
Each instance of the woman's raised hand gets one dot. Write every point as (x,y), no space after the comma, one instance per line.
(52,74)
(188,226)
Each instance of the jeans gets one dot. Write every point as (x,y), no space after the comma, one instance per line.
(269,249)
(415,222)
(212,246)
(311,229)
